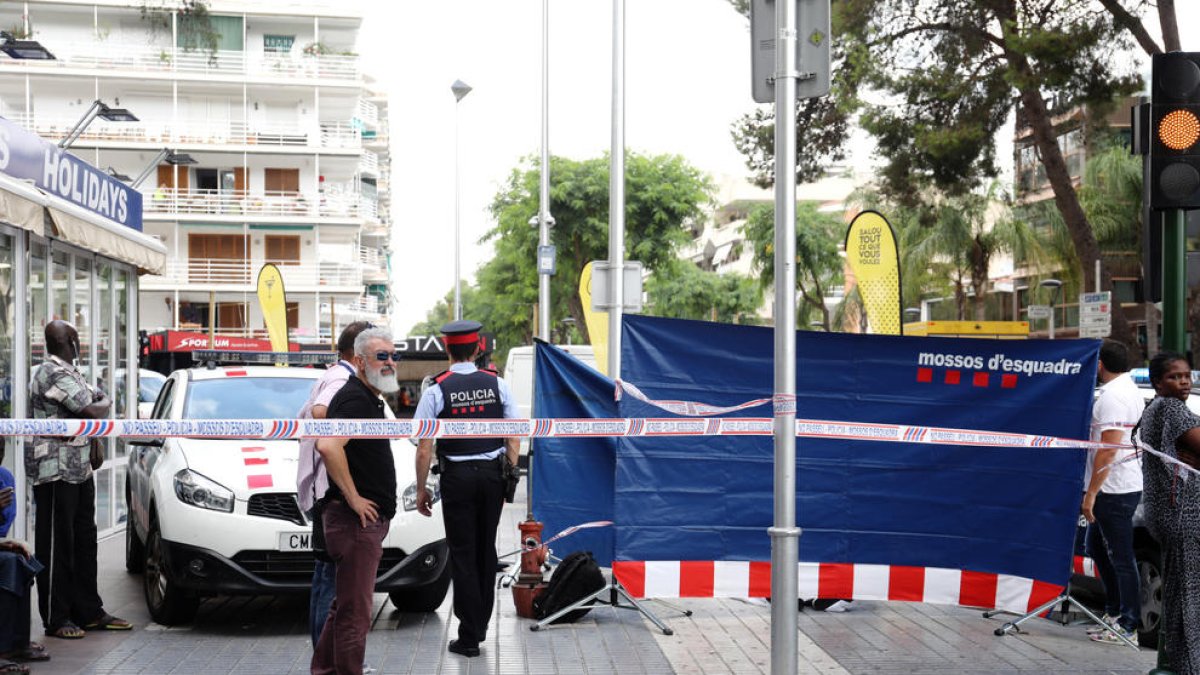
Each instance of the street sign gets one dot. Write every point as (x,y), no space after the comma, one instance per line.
(812,49)
(631,290)
(1095,303)
(1095,314)
(546,257)
(1039,311)
(1095,332)
(1095,320)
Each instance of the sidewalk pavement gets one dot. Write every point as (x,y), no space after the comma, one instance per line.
(269,635)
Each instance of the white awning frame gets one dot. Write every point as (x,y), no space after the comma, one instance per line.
(27,207)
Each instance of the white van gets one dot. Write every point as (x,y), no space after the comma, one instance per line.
(518,372)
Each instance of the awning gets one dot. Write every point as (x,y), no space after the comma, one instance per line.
(27,207)
(19,210)
(115,241)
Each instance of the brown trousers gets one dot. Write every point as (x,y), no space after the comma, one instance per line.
(356,551)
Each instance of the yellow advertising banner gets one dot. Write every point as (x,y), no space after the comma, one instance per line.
(274,306)
(874,257)
(597,322)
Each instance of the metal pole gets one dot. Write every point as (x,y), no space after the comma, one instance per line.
(616,193)
(544,189)
(1174,280)
(1052,318)
(457,199)
(785,535)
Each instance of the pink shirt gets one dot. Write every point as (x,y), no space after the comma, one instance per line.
(311,478)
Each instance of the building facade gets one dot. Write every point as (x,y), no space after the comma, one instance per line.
(258,139)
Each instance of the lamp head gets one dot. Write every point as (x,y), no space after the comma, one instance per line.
(460,89)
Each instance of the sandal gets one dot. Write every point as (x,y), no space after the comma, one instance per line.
(33,652)
(13,667)
(66,631)
(108,622)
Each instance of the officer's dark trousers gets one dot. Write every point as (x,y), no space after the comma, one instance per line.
(472,496)
(65,543)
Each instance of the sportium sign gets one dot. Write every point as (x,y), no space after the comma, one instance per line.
(26,156)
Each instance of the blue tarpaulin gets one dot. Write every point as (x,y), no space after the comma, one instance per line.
(1007,511)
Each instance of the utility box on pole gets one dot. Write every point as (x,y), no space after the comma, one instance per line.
(812,48)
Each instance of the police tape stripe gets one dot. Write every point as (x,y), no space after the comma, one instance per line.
(545,428)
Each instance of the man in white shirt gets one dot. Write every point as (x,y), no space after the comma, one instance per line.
(1112,491)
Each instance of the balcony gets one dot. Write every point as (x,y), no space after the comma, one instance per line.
(194,272)
(367,112)
(333,135)
(120,59)
(374,263)
(238,203)
(369,163)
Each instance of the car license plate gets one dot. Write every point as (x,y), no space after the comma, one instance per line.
(295,541)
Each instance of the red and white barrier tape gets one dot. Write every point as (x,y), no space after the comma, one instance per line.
(565,533)
(279,429)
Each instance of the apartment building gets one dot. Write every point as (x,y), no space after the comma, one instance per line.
(258,139)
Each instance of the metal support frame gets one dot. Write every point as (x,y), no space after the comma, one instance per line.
(1067,601)
(615,592)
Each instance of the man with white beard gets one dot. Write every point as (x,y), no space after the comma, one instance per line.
(360,505)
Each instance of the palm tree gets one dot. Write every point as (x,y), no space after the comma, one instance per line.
(954,239)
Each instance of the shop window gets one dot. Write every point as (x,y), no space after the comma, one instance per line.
(282,249)
(293,316)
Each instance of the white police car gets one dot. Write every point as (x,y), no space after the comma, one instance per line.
(211,517)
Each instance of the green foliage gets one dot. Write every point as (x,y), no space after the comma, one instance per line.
(818,265)
(663,195)
(681,290)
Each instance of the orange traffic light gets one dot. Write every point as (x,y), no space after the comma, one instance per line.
(1174,171)
(1179,129)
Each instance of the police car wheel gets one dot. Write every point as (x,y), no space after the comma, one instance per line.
(425,598)
(168,604)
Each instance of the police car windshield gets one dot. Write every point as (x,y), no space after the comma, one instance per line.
(246,398)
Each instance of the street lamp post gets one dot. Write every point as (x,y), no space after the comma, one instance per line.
(544,218)
(1056,287)
(460,89)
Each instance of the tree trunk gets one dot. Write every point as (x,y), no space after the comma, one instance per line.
(1065,198)
(1169,22)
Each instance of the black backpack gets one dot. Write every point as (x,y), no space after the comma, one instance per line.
(575,578)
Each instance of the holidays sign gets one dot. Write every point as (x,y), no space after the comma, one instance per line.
(27,156)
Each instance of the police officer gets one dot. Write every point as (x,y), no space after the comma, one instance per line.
(472,477)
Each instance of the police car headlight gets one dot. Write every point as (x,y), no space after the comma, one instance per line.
(197,490)
(409,497)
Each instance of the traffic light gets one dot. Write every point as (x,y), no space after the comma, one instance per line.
(1175,131)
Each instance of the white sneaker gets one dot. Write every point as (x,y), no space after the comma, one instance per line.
(1109,637)
(1109,622)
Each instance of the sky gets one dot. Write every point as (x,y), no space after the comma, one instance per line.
(687,79)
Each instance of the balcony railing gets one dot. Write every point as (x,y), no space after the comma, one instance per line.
(225,272)
(367,112)
(110,57)
(243,203)
(368,163)
(195,131)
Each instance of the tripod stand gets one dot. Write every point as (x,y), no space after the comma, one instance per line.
(1067,601)
(615,592)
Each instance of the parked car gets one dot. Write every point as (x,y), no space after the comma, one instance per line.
(213,516)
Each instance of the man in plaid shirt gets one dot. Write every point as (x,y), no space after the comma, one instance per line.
(65,493)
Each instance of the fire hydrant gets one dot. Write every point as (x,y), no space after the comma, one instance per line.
(530,582)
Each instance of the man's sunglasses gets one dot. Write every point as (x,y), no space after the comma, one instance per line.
(384,356)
